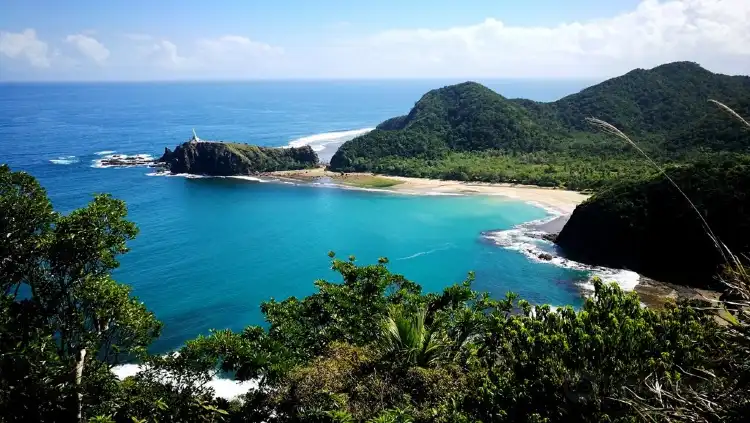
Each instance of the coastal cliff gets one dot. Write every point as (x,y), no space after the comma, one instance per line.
(650,228)
(227,159)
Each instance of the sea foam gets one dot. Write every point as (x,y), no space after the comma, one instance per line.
(525,239)
(223,388)
(192,176)
(318,142)
(64,160)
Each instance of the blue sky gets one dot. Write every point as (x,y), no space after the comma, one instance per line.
(156,40)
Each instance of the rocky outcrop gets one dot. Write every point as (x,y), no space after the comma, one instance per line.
(228,159)
(545,256)
(123,160)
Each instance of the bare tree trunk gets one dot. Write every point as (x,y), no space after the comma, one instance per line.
(79,377)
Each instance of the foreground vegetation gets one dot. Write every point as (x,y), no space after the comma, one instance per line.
(469,132)
(369,347)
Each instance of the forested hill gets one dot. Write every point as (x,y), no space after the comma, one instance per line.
(655,101)
(648,226)
(468,131)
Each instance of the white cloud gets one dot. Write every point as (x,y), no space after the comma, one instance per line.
(715,33)
(25,45)
(164,54)
(225,54)
(234,49)
(89,47)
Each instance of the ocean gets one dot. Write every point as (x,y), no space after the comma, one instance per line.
(211,249)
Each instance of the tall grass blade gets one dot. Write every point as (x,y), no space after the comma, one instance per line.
(611,129)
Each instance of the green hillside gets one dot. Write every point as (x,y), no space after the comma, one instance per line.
(469,132)
(647,226)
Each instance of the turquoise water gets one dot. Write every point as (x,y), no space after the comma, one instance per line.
(210,250)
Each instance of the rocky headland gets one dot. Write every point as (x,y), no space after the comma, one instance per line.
(232,159)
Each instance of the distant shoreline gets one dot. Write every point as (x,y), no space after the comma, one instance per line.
(557,200)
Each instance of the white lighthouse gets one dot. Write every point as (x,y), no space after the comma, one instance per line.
(195,138)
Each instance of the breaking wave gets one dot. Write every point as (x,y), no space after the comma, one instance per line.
(64,160)
(223,388)
(105,152)
(527,239)
(319,142)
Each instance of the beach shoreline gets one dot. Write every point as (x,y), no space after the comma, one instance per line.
(557,200)
(654,294)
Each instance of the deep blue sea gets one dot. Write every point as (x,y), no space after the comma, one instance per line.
(210,250)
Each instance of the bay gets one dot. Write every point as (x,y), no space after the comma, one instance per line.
(209,249)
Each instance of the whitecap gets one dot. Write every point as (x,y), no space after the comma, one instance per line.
(245,178)
(64,160)
(319,142)
(529,242)
(446,246)
(223,388)
(105,152)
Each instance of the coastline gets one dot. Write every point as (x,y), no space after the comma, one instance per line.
(653,294)
(557,200)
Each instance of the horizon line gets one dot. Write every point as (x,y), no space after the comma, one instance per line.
(343,79)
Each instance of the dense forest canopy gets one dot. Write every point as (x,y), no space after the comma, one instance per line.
(469,132)
(649,227)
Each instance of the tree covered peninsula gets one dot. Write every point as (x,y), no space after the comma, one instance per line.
(469,132)
(228,159)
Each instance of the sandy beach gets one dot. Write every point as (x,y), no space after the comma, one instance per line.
(562,201)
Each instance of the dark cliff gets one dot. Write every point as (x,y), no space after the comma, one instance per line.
(227,159)
(648,227)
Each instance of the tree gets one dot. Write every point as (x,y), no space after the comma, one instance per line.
(59,298)
(406,339)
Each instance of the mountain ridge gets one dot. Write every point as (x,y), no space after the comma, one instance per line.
(454,127)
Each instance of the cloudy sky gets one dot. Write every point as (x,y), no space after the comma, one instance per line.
(258,39)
